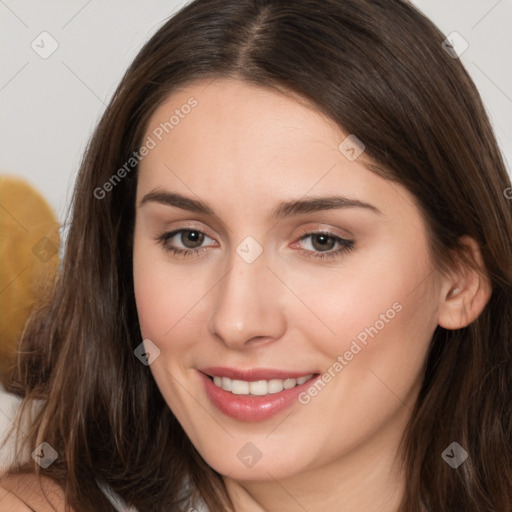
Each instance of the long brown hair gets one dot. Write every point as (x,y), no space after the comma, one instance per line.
(378,69)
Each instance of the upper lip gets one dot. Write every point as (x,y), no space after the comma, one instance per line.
(253,374)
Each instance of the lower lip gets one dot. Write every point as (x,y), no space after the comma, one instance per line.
(250,407)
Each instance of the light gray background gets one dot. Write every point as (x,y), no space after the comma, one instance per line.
(48,107)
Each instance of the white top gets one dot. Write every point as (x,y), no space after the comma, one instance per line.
(120,506)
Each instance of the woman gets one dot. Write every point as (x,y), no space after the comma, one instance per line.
(287,282)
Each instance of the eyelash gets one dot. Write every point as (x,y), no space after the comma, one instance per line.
(346,245)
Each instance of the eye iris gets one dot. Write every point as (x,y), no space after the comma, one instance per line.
(326,242)
(195,237)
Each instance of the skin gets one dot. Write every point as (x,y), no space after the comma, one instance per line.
(243,150)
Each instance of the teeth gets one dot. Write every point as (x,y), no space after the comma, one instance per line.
(258,387)
(226,383)
(239,387)
(301,380)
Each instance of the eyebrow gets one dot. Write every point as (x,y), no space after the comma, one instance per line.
(284,209)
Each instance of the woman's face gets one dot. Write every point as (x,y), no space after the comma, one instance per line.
(294,261)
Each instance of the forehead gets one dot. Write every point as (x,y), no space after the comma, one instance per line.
(226,105)
(255,144)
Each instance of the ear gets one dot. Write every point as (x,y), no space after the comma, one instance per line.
(465,292)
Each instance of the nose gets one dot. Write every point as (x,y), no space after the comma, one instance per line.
(247,308)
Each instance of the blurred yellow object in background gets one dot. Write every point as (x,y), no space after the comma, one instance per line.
(29,258)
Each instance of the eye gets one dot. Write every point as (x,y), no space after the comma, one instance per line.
(324,243)
(321,243)
(190,240)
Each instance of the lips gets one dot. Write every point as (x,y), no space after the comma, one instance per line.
(251,407)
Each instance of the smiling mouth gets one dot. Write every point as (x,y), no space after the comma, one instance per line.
(258,387)
(254,394)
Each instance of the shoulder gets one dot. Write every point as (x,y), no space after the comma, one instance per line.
(28,493)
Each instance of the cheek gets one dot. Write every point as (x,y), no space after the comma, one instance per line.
(383,347)
(171,298)
(373,370)
(369,295)
(163,292)
(380,316)
(161,296)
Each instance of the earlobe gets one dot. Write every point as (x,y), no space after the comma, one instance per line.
(466,292)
